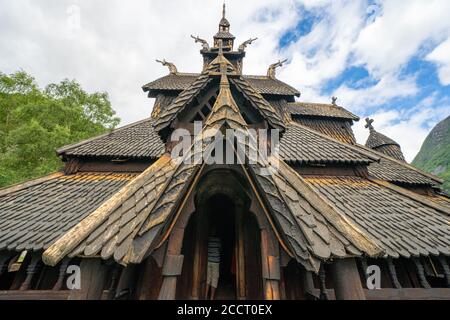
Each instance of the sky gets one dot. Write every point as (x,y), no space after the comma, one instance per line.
(388,60)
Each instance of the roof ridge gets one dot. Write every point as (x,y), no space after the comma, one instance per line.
(329,105)
(277,121)
(405,164)
(63,149)
(29,183)
(334,140)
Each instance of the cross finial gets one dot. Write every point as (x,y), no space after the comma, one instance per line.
(333,100)
(369,124)
(220,45)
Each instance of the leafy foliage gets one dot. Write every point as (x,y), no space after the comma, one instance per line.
(35,122)
(434,156)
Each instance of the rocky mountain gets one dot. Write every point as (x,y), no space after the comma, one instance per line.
(434,156)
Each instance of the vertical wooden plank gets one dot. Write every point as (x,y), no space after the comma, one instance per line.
(149,281)
(240,254)
(196,291)
(93,276)
(347,283)
(61,274)
(308,282)
(169,284)
(31,271)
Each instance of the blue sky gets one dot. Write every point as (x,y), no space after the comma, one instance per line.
(389,60)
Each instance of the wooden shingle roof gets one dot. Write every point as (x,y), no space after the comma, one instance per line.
(377,139)
(301,145)
(401,225)
(127,226)
(396,171)
(320,110)
(136,140)
(181,81)
(34,214)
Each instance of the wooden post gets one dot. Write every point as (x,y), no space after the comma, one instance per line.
(308,283)
(173,265)
(421,273)
(126,282)
(62,272)
(200,229)
(171,270)
(393,274)
(446,269)
(347,283)
(31,271)
(114,274)
(323,283)
(270,265)
(149,280)
(240,255)
(93,276)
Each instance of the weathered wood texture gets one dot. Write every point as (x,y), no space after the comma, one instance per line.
(93,277)
(347,284)
(398,294)
(34,295)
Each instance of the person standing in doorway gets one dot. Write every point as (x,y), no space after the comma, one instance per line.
(214,250)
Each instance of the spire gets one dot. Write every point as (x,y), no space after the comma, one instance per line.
(224,22)
(224,33)
(382,143)
(225,108)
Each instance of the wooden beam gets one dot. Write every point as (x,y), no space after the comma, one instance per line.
(399,294)
(347,283)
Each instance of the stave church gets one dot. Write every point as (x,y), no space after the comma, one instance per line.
(320,218)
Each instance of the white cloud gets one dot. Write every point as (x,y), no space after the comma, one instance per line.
(441,56)
(115,48)
(399,31)
(387,88)
(409,127)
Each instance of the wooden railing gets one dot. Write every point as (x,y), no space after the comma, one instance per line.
(398,294)
(34,295)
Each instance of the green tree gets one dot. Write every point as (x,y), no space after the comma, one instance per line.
(35,122)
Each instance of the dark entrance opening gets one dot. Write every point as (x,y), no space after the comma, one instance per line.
(221,217)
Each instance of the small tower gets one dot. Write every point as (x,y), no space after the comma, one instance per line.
(383,144)
(224,34)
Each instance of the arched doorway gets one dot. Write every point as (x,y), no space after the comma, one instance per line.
(222,203)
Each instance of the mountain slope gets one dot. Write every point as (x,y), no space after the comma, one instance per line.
(434,156)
